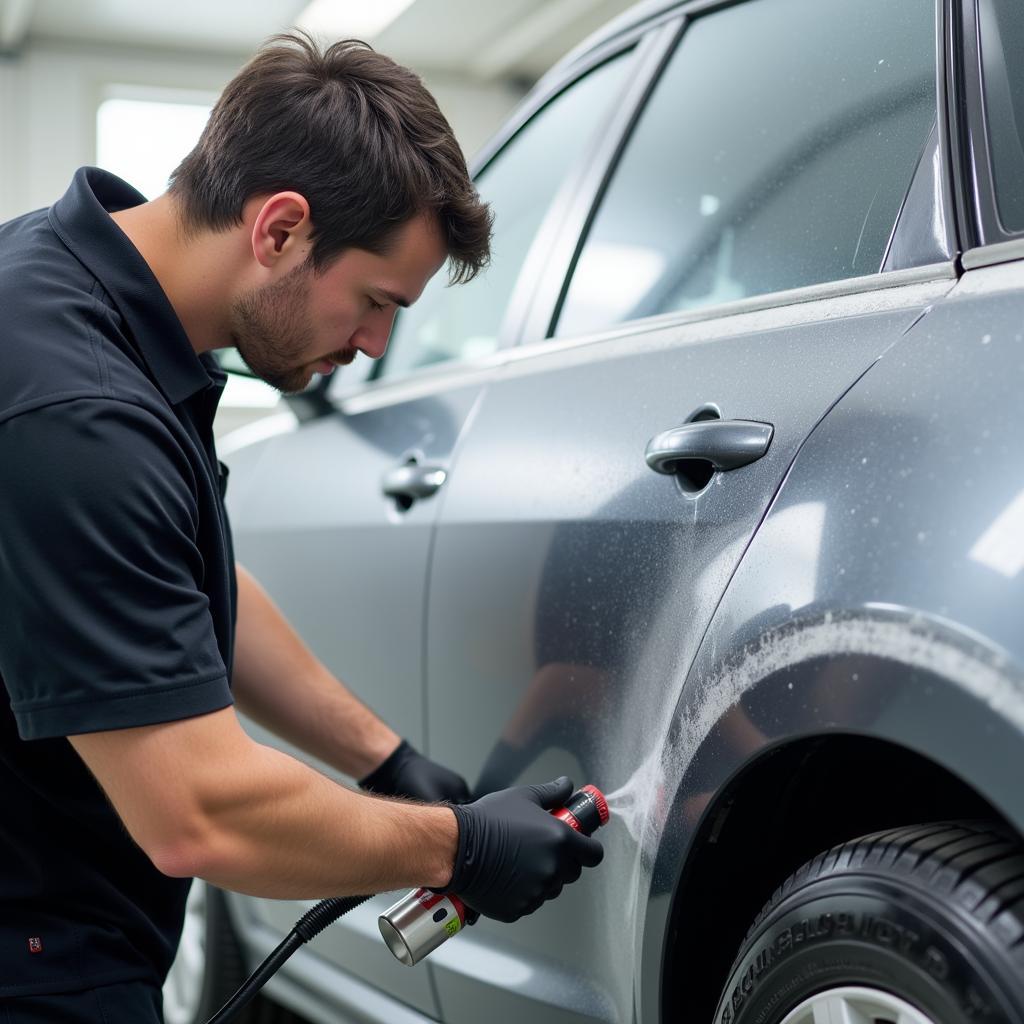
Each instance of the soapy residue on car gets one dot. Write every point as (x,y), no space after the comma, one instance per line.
(913,641)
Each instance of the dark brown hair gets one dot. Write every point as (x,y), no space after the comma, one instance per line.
(351,130)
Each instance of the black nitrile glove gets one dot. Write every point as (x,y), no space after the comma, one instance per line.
(513,855)
(406,772)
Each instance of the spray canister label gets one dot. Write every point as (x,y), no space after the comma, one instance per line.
(448,904)
(428,898)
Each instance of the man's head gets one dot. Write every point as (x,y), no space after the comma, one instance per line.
(352,190)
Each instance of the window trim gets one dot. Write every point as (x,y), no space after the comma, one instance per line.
(913,241)
(976,190)
(915,217)
(993,253)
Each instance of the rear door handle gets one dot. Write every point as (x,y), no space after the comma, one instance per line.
(726,444)
(411,481)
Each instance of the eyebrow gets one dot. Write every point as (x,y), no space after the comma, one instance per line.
(396,299)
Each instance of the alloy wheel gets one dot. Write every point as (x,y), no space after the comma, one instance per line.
(855,1005)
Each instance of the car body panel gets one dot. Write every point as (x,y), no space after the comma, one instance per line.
(571,586)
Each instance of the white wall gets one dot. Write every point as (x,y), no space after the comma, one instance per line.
(48,120)
(50,92)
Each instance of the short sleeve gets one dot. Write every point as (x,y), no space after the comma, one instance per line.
(103,620)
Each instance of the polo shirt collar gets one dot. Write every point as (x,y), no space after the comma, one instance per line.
(80,218)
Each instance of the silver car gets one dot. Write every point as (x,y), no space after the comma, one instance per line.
(709,492)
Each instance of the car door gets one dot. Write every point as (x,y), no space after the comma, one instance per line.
(335,518)
(772,224)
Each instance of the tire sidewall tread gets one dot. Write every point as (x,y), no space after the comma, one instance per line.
(893,911)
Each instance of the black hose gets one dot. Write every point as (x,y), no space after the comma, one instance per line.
(312,923)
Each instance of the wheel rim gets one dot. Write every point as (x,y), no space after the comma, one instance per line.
(184,986)
(855,1005)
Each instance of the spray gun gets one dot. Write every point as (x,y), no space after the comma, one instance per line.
(415,926)
(423,919)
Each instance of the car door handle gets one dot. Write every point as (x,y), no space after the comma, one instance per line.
(726,444)
(411,481)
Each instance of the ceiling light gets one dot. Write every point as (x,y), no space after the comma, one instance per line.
(348,19)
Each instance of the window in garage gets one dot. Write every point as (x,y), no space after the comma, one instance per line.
(774,153)
(142,134)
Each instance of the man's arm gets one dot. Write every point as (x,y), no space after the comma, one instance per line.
(282,685)
(202,798)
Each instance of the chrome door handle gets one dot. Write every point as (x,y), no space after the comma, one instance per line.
(412,481)
(726,444)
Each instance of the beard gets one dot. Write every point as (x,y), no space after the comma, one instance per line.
(272,330)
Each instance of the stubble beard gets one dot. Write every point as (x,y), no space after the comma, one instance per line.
(272,330)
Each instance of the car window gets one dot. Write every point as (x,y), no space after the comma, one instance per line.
(462,321)
(1002,62)
(775,152)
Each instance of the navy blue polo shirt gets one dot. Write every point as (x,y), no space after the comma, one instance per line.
(117,584)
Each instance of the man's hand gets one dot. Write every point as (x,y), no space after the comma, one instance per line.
(406,772)
(513,855)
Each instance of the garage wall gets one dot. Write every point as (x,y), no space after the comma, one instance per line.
(11,187)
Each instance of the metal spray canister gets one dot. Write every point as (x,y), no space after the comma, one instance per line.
(419,922)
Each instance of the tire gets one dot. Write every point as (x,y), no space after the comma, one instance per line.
(918,925)
(209,967)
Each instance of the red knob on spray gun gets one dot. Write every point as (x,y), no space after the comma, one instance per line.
(423,919)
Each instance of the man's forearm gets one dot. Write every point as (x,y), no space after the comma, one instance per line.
(282,685)
(202,798)
(275,828)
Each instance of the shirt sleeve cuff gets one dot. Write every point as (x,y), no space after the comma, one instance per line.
(43,720)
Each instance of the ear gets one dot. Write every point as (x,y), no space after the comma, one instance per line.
(281,229)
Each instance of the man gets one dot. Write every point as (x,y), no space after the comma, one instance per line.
(325,191)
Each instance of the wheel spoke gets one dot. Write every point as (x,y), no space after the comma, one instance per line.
(837,1009)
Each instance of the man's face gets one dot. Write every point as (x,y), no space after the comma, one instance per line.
(307,323)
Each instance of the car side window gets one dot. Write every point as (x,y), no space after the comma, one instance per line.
(463,321)
(1002,62)
(775,152)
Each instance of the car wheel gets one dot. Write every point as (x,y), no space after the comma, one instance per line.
(919,925)
(209,966)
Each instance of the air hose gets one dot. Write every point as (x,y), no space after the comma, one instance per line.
(312,923)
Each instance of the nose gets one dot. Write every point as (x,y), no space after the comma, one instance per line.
(373,341)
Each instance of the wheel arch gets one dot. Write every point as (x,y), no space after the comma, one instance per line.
(754,833)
